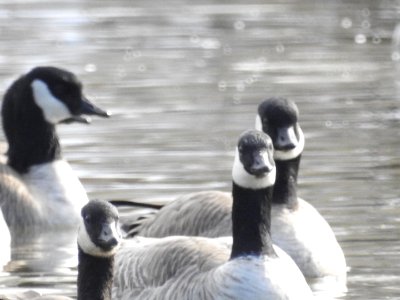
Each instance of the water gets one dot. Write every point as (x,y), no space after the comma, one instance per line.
(183,80)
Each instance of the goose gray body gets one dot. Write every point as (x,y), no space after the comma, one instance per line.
(199,268)
(246,266)
(296,226)
(208,214)
(205,214)
(38,188)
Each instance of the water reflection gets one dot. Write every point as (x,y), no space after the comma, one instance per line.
(45,263)
(184,79)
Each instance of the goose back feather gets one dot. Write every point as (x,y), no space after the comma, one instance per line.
(199,268)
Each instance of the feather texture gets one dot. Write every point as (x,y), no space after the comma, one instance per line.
(199,268)
(248,267)
(314,248)
(42,197)
(296,226)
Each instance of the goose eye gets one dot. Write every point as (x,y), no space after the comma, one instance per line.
(63,91)
(60,89)
(87,219)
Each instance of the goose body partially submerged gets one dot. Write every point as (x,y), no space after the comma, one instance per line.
(296,226)
(247,266)
(38,188)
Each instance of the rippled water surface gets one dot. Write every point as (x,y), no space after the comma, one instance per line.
(183,80)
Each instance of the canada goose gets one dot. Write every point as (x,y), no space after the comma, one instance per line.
(37,187)
(98,241)
(296,226)
(205,268)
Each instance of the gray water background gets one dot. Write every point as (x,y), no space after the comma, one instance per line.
(183,80)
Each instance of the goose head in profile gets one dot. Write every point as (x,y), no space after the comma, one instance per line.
(31,108)
(39,188)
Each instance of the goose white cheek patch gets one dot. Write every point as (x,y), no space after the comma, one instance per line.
(89,247)
(290,154)
(258,124)
(242,178)
(54,110)
(296,151)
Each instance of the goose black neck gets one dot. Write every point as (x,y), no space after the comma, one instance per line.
(285,188)
(251,222)
(32,146)
(95,276)
(31,139)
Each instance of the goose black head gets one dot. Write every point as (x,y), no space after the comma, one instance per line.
(59,94)
(56,92)
(254,166)
(278,117)
(99,233)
